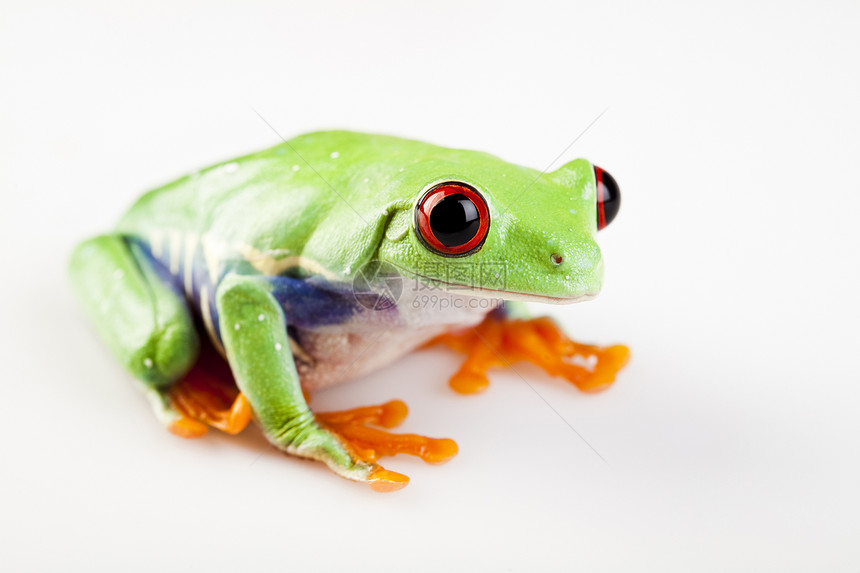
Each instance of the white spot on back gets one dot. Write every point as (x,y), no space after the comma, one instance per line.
(334,155)
(278,346)
(147,362)
(261,317)
(236,326)
(231,167)
(295,167)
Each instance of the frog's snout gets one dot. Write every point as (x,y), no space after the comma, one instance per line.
(608,197)
(575,267)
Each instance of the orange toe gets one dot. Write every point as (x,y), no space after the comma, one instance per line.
(185,427)
(235,419)
(609,361)
(439,451)
(383,480)
(210,403)
(388,415)
(466,382)
(353,427)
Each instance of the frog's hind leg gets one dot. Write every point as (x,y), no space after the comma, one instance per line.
(141,317)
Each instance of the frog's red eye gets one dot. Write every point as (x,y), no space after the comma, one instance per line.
(452,219)
(608,197)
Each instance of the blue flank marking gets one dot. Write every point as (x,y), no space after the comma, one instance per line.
(306,304)
(160,267)
(199,278)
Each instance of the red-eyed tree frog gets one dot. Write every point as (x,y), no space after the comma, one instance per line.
(236,291)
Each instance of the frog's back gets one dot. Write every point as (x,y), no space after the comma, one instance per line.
(317,169)
(189,202)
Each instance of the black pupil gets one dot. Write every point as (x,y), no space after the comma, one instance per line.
(455,220)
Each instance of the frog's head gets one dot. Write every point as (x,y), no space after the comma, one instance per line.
(481,225)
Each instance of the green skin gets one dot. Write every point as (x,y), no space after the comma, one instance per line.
(322,207)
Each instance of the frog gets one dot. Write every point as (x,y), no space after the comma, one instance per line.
(235,292)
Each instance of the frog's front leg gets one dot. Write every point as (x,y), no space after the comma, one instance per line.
(254,332)
(505,337)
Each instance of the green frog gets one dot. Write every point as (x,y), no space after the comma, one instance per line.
(234,292)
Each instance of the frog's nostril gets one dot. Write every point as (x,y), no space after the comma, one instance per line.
(556,259)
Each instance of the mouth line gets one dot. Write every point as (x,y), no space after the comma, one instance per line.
(505,294)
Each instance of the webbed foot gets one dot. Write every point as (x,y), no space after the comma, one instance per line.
(204,402)
(369,444)
(500,341)
(208,396)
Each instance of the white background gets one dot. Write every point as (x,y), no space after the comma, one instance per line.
(732,272)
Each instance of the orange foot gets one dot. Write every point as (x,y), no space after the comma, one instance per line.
(369,444)
(502,341)
(207,397)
